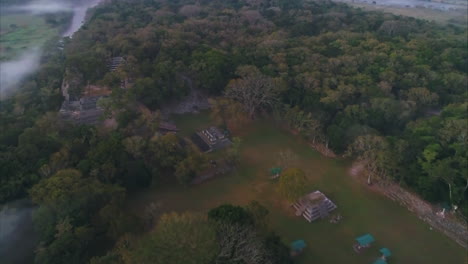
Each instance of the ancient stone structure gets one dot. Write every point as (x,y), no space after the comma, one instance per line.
(83,111)
(313,206)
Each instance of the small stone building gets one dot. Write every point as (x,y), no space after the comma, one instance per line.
(313,206)
(210,139)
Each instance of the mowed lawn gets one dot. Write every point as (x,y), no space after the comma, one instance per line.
(363,211)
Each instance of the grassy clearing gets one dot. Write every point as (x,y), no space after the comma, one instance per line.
(363,211)
(21,32)
(457,17)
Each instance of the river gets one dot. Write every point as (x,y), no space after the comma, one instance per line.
(13,71)
(79,14)
(17,237)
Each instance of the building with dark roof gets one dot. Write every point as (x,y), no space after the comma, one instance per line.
(166,127)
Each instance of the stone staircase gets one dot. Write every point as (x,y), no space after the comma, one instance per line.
(315,212)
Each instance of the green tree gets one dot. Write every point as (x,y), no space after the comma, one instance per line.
(68,187)
(253,89)
(213,69)
(135,145)
(187,169)
(373,152)
(228,113)
(166,150)
(69,201)
(70,246)
(422,96)
(442,169)
(231,214)
(279,253)
(147,91)
(178,238)
(292,184)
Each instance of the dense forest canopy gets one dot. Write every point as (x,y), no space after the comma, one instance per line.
(387,90)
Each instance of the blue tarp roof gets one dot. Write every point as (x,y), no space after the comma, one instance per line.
(386,252)
(298,245)
(365,239)
(380,261)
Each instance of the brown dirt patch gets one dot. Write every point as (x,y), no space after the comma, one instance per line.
(96,90)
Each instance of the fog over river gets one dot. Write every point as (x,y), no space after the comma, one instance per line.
(17,237)
(12,72)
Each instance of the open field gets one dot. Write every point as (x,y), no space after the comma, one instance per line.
(458,17)
(363,211)
(21,32)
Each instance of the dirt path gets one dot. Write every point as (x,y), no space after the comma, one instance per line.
(451,226)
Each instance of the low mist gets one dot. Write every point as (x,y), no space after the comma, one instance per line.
(17,237)
(12,72)
(40,7)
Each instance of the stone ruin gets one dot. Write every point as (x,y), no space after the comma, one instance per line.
(210,139)
(83,111)
(313,206)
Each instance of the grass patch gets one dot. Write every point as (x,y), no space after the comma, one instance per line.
(21,32)
(363,211)
(457,17)
(190,123)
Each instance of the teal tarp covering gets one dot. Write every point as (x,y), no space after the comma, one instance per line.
(275,171)
(446,206)
(386,252)
(380,261)
(365,239)
(298,245)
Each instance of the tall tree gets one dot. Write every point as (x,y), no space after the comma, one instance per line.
(292,184)
(178,238)
(228,113)
(373,152)
(253,89)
